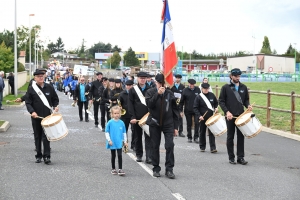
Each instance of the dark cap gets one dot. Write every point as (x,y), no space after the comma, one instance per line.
(129,82)
(142,74)
(104,79)
(235,72)
(117,80)
(178,76)
(159,78)
(99,73)
(111,80)
(38,72)
(192,81)
(41,69)
(205,85)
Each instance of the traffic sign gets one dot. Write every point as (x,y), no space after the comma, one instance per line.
(270,69)
(152,62)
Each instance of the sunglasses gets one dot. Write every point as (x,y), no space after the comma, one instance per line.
(236,72)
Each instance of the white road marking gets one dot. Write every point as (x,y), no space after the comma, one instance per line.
(178,196)
(144,166)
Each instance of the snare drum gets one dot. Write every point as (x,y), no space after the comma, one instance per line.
(143,125)
(248,124)
(54,127)
(216,124)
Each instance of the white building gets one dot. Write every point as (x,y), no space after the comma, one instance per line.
(65,55)
(265,63)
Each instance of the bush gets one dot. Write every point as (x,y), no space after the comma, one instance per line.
(21,67)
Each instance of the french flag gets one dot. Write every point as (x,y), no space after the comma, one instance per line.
(168,52)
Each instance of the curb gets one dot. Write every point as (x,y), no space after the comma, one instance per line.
(4,126)
(282,133)
(14,106)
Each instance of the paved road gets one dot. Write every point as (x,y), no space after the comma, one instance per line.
(80,167)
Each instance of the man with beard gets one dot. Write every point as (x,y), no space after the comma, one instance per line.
(233,97)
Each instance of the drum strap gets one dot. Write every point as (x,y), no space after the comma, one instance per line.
(237,95)
(140,95)
(208,104)
(41,95)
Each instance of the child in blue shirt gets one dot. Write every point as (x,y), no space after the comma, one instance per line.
(115,134)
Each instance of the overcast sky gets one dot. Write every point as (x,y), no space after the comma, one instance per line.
(202,25)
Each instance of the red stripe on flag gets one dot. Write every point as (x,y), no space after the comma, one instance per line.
(170,61)
(163,13)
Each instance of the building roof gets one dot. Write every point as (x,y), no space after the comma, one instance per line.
(22,53)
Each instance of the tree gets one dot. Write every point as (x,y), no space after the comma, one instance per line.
(266,48)
(81,52)
(115,59)
(6,58)
(130,59)
(59,45)
(52,47)
(116,48)
(274,52)
(290,50)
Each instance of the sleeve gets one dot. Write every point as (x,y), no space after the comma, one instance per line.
(107,131)
(222,99)
(75,96)
(124,133)
(182,100)
(216,104)
(29,101)
(246,100)
(151,98)
(105,97)
(130,103)
(196,106)
(175,110)
(91,91)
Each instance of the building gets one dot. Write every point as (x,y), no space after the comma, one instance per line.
(64,55)
(265,63)
(21,58)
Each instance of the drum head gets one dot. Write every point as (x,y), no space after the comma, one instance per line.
(243,118)
(51,120)
(212,118)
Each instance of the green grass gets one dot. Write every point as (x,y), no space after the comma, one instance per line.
(11,98)
(24,87)
(278,120)
(1,122)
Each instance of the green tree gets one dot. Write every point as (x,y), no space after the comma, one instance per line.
(115,60)
(116,48)
(52,47)
(6,58)
(81,52)
(130,59)
(59,45)
(266,48)
(290,50)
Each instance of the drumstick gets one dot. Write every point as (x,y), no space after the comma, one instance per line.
(203,115)
(36,116)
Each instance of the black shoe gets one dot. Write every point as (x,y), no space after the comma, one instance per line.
(232,161)
(47,161)
(170,174)
(1,109)
(138,159)
(181,135)
(202,150)
(214,151)
(156,174)
(81,120)
(86,120)
(38,160)
(96,125)
(242,161)
(190,140)
(148,160)
(196,140)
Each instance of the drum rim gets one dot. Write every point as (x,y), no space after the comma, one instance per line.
(245,122)
(61,137)
(145,116)
(54,123)
(213,122)
(256,133)
(221,133)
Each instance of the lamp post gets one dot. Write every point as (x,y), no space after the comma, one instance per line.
(30,67)
(15,54)
(254,58)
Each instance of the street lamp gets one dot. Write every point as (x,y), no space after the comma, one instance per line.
(15,54)
(30,67)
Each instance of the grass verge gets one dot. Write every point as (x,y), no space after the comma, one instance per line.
(1,122)
(11,98)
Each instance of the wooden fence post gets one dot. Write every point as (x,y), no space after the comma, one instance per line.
(268,108)
(217,92)
(249,94)
(293,115)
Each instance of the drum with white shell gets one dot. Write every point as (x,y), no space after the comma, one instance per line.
(216,124)
(54,127)
(248,124)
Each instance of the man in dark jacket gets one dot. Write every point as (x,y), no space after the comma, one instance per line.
(187,99)
(233,97)
(205,103)
(137,109)
(36,107)
(101,102)
(178,88)
(94,95)
(164,117)
(81,95)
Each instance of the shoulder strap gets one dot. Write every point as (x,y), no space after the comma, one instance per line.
(140,95)
(208,104)
(236,94)
(41,95)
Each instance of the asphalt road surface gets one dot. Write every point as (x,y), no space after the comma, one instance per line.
(80,167)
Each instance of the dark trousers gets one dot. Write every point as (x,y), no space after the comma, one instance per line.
(80,106)
(102,110)
(12,88)
(202,143)
(180,125)
(139,142)
(96,110)
(230,140)
(39,137)
(113,158)
(126,122)
(155,135)
(133,136)
(188,117)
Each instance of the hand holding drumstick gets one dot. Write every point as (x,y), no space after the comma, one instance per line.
(202,117)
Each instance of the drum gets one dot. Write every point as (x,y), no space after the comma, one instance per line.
(143,125)
(216,124)
(248,124)
(54,127)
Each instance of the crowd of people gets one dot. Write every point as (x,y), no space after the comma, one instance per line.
(123,103)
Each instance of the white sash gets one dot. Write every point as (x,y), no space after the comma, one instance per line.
(139,93)
(208,104)
(41,95)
